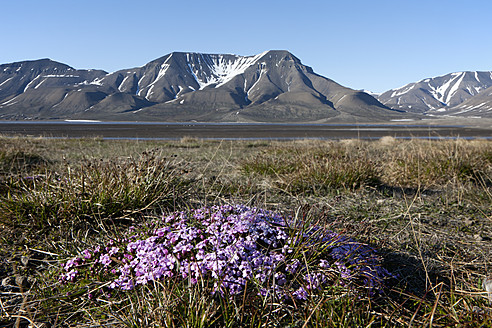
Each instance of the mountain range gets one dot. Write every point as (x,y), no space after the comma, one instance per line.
(270,87)
(456,94)
(273,86)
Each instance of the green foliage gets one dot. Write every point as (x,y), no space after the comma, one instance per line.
(314,172)
(93,191)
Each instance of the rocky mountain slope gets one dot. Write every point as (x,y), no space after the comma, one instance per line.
(442,95)
(476,106)
(270,87)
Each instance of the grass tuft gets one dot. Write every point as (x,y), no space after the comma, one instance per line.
(94,191)
(313,172)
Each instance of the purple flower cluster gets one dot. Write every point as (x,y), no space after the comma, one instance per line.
(233,246)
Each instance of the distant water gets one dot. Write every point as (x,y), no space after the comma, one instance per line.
(237,131)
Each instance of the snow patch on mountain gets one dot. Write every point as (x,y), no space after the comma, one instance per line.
(262,71)
(10,78)
(30,83)
(401,91)
(120,88)
(97,81)
(374,94)
(222,68)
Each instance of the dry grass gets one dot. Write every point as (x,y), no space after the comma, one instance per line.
(426,205)
(93,191)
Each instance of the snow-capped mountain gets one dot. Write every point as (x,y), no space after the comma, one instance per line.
(439,94)
(271,86)
(477,106)
(171,76)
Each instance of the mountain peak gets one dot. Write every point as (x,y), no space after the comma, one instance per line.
(279,53)
(44,62)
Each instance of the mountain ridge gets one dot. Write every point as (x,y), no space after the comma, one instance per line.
(271,86)
(440,95)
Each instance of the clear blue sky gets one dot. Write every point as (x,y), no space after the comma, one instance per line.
(363,44)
